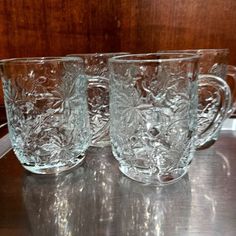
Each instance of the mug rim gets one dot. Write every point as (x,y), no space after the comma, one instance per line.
(97,54)
(197,50)
(126,58)
(39,60)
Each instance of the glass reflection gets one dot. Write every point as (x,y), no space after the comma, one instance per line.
(51,202)
(225,163)
(78,203)
(101,191)
(210,179)
(97,199)
(147,210)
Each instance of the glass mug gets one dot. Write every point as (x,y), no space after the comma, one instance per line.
(214,62)
(153,113)
(46,104)
(96,68)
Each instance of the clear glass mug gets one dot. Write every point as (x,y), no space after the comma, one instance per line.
(213,62)
(96,68)
(46,104)
(153,113)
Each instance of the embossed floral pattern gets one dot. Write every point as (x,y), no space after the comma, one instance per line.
(210,99)
(152,120)
(96,68)
(47,113)
(98,101)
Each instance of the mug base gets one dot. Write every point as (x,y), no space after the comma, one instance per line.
(53,170)
(206,145)
(157,179)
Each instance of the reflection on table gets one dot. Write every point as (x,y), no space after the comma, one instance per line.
(96,199)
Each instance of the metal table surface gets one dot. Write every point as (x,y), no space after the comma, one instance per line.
(96,199)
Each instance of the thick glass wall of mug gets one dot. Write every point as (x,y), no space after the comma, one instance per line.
(47,113)
(96,68)
(153,107)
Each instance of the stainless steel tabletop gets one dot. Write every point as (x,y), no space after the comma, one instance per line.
(96,199)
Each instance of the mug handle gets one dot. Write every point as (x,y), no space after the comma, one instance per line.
(231,81)
(214,104)
(99,117)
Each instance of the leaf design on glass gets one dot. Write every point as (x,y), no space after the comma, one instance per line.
(98,101)
(208,105)
(218,69)
(156,85)
(167,90)
(62,100)
(131,105)
(169,143)
(152,119)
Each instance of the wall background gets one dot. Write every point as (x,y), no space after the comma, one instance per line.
(60,27)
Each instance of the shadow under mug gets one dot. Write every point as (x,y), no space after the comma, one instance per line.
(154,113)
(96,69)
(46,105)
